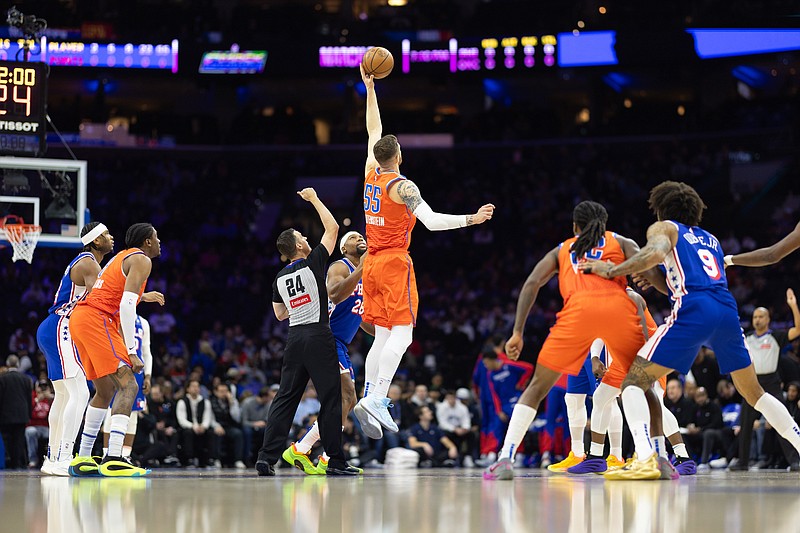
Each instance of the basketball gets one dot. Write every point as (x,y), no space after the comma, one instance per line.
(378,62)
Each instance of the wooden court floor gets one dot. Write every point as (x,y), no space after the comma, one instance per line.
(397,501)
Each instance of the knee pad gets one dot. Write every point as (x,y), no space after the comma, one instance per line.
(400,339)
(576,408)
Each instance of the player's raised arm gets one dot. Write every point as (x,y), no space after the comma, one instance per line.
(328,222)
(545,269)
(661,238)
(769,255)
(407,192)
(374,126)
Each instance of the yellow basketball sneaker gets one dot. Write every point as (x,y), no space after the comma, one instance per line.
(569,462)
(121,467)
(299,460)
(648,469)
(83,466)
(614,463)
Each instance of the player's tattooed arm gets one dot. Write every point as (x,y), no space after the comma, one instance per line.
(661,239)
(409,194)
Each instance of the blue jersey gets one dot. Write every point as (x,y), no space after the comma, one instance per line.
(68,294)
(346,316)
(138,334)
(695,263)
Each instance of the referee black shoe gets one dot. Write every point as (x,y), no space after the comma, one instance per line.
(264,468)
(342,468)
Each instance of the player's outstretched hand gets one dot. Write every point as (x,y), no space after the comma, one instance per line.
(599,268)
(790,298)
(514,346)
(368,79)
(154,296)
(136,364)
(641,282)
(308,194)
(484,213)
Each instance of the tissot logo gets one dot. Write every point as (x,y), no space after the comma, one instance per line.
(300,300)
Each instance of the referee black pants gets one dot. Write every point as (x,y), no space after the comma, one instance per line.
(771,384)
(310,352)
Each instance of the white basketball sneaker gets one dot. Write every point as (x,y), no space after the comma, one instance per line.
(378,408)
(369,425)
(60,468)
(47,466)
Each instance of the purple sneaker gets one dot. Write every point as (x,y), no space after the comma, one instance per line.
(685,466)
(591,465)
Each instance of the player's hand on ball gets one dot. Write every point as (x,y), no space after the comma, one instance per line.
(598,268)
(154,296)
(136,364)
(790,298)
(308,194)
(484,213)
(368,79)
(514,346)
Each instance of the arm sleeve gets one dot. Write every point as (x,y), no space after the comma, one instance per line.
(147,355)
(127,318)
(438,221)
(597,348)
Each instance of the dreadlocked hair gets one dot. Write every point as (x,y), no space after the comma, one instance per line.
(591,217)
(137,234)
(674,200)
(86,229)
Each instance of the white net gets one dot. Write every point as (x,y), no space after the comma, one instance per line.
(23,239)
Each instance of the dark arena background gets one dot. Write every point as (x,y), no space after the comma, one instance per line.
(204,118)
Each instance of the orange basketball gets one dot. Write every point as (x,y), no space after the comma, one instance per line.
(378,62)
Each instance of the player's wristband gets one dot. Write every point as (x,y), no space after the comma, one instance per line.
(728,260)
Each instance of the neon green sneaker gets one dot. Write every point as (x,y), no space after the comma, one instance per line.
(299,460)
(83,466)
(121,467)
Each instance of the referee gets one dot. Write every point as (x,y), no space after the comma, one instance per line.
(765,347)
(299,294)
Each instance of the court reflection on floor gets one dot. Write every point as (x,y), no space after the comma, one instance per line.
(415,502)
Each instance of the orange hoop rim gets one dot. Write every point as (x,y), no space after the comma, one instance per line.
(16,232)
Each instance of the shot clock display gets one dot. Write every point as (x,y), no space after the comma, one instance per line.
(23,102)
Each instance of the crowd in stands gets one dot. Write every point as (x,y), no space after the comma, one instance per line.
(218,214)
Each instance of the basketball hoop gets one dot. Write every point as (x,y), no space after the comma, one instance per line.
(23,237)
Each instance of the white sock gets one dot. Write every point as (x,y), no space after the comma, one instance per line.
(119,423)
(325,457)
(91,426)
(615,430)
(576,415)
(596,449)
(399,340)
(638,415)
(372,363)
(55,419)
(521,419)
(779,418)
(126,451)
(105,451)
(659,445)
(680,450)
(308,440)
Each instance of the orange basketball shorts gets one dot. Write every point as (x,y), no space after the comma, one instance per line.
(390,289)
(99,342)
(608,315)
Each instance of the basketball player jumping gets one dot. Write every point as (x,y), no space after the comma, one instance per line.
(392,205)
(345,295)
(704,313)
(63,362)
(109,357)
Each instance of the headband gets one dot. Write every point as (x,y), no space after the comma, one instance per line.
(344,239)
(93,234)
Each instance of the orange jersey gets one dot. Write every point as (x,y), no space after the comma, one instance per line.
(389,223)
(571,280)
(107,290)
(651,324)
